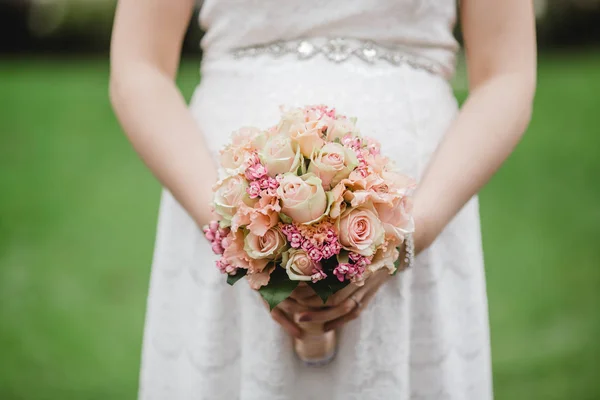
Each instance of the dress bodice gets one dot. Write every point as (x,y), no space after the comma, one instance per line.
(421,27)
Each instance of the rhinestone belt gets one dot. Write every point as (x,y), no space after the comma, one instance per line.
(339,50)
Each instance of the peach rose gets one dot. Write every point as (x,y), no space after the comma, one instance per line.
(396,217)
(230,193)
(269,246)
(360,230)
(236,155)
(302,197)
(332,163)
(257,280)
(236,256)
(385,257)
(259,218)
(308,136)
(336,197)
(280,155)
(298,265)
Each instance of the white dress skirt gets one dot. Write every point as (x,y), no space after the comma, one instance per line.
(424,336)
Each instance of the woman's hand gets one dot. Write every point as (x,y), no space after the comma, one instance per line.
(346,305)
(284,314)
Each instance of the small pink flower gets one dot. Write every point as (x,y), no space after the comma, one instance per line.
(264,182)
(352,142)
(318,275)
(225,267)
(209,235)
(341,270)
(354,256)
(327,252)
(348,271)
(331,235)
(296,240)
(216,248)
(213,226)
(307,245)
(315,254)
(255,171)
(253,190)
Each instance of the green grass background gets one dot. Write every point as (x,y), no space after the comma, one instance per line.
(78,213)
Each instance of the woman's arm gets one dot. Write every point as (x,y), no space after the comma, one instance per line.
(501,60)
(145,51)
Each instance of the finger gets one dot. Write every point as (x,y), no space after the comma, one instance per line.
(312,302)
(329,314)
(291,306)
(340,296)
(290,327)
(352,315)
(302,292)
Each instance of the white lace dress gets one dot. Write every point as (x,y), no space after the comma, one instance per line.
(425,335)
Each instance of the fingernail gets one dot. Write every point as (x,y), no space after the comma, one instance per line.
(304,318)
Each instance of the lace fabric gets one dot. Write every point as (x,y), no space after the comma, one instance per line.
(424,336)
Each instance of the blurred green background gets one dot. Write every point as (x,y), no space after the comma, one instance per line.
(78,213)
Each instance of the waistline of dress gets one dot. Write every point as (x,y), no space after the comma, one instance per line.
(337,50)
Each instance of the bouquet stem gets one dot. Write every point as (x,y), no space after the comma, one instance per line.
(317,347)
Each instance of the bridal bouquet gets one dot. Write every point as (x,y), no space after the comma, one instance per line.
(311,200)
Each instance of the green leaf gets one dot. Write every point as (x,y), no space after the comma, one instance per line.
(232,279)
(398,262)
(279,288)
(285,218)
(328,287)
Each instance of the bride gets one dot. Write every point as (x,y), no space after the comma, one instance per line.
(421,334)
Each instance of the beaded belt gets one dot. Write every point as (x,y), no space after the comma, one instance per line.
(339,50)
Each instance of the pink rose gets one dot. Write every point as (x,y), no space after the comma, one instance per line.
(269,246)
(280,155)
(332,163)
(230,194)
(360,230)
(298,265)
(302,197)
(308,136)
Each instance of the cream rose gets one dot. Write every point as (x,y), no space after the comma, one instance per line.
(302,197)
(298,265)
(229,194)
(280,155)
(308,136)
(361,230)
(288,119)
(341,127)
(332,163)
(269,246)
